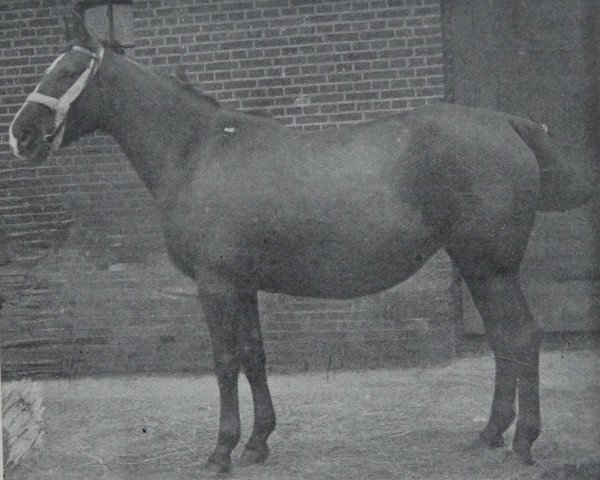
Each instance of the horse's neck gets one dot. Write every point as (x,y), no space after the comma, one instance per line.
(154,121)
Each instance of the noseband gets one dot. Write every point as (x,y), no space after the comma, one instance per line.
(61,105)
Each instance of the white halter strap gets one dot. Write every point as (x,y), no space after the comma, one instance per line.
(61,105)
(50,102)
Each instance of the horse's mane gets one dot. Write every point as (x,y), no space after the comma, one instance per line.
(113,45)
(178,80)
(189,88)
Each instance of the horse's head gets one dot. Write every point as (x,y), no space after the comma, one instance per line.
(52,115)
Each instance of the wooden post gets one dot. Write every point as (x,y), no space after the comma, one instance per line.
(21,421)
(1,429)
(20,403)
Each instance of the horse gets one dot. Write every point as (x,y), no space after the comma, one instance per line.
(249,205)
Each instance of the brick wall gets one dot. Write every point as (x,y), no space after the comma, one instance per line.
(90,289)
(310,63)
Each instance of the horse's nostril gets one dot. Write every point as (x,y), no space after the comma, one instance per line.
(23,135)
(26,137)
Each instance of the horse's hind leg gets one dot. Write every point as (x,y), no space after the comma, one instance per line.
(514,338)
(253,363)
(490,268)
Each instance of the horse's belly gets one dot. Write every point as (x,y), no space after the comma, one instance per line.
(364,260)
(339,283)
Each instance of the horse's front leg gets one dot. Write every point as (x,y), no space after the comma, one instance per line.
(224,312)
(253,363)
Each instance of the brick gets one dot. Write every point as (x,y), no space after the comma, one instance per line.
(399,93)
(378,34)
(355,56)
(357,16)
(272,82)
(414,22)
(306,39)
(5,62)
(237,45)
(236,6)
(316,119)
(343,77)
(223,65)
(341,37)
(309,79)
(417,81)
(257,103)
(380,74)
(433,91)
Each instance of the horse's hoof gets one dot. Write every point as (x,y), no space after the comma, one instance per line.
(522,450)
(491,440)
(519,457)
(217,466)
(252,456)
(479,447)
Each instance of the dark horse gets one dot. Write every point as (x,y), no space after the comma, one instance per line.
(250,205)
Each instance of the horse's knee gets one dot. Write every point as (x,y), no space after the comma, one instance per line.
(253,359)
(226,363)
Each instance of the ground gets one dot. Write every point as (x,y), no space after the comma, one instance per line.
(416,423)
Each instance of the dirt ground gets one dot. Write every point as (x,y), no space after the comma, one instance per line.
(416,423)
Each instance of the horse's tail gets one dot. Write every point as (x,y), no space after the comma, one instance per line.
(562,185)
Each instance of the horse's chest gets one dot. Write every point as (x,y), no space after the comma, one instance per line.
(199,237)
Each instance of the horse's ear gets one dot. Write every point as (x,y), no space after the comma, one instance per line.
(69,37)
(79,31)
(76,31)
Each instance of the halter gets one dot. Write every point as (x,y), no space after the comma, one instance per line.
(61,105)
